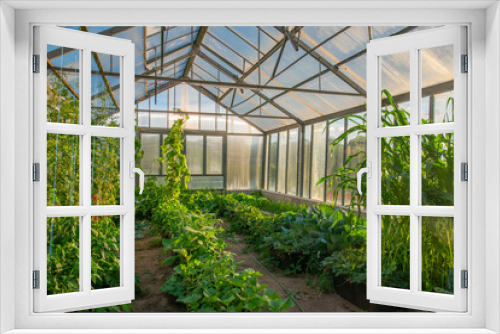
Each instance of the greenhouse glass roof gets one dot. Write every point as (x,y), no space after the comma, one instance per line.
(270,77)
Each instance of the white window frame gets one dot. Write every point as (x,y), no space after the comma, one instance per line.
(413,44)
(85,44)
(484,48)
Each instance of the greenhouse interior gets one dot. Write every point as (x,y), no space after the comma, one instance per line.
(250,139)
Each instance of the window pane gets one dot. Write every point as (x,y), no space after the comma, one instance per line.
(193,122)
(437,77)
(194,154)
(307,160)
(105,252)
(158,120)
(282,163)
(437,254)
(244,162)
(214,155)
(335,160)
(221,123)
(105,90)
(63,85)
(318,161)
(437,169)
(395,78)
(63,255)
(266,161)
(63,170)
(206,182)
(207,123)
(395,252)
(292,162)
(273,161)
(150,144)
(105,171)
(395,171)
(143,119)
(356,151)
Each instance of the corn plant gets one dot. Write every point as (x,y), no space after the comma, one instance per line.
(437,189)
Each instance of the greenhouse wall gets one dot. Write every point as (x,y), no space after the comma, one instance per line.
(222,150)
(244,162)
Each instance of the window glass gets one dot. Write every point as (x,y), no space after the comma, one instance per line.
(292,162)
(194,154)
(318,161)
(282,163)
(214,155)
(307,160)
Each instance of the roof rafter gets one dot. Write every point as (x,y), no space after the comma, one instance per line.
(196,47)
(98,62)
(327,64)
(214,98)
(243,85)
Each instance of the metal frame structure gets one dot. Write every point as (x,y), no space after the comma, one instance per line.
(191,55)
(244,74)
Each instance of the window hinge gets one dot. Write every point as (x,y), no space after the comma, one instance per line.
(465,64)
(36,63)
(36,279)
(36,172)
(464,171)
(465,279)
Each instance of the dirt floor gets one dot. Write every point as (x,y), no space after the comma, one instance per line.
(309,298)
(152,274)
(148,259)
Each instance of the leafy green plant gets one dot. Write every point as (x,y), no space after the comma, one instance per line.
(63,188)
(437,189)
(177,172)
(206,278)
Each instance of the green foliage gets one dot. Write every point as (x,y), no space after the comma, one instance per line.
(177,172)
(63,188)
(266,205)
(206,278)
(437,189)
(64,254)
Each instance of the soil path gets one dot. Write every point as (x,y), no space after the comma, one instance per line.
(149,298)
(148,259)
(309,298)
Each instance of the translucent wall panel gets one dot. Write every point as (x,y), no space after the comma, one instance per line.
(244,162)
(238,125)
(194,154)
(293,145)
(266,160)
(150,143)
(207,123)
(356,147)
(335,160)
(163,166)
(143,119)
(307,161)
(282,163)
(318,161)
(158,120)
(273,161)
(214,155)
(206,182)
(186,98)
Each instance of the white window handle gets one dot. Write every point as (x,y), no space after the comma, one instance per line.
(368,171)
(134,170)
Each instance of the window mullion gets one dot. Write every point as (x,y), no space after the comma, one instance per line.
(86,175)
(415,172)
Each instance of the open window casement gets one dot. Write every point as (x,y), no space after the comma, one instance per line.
(416,147)
(83,168)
